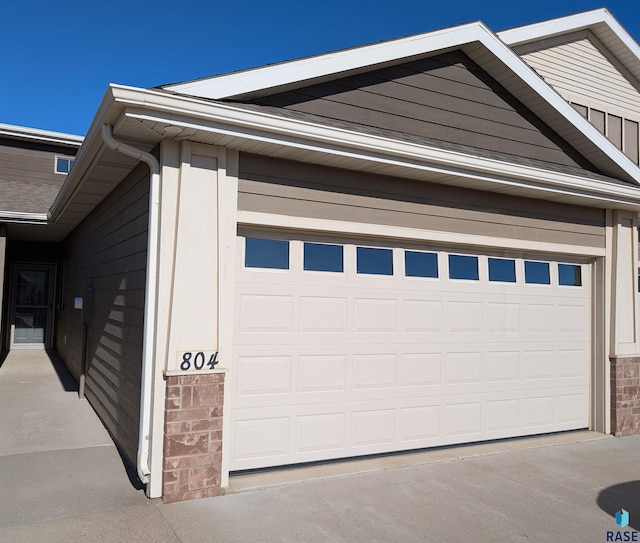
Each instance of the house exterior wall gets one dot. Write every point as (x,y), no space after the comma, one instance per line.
(581,71)
(31,161)
(271,185)
(104,261)
(447,97)
(27,179)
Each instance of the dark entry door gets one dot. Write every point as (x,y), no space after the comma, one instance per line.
(32,306)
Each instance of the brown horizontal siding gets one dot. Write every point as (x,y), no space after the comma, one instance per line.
(290,188)
(31,163)
(448,98)
(107,254)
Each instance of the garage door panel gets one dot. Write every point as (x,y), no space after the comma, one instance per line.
(322,373)
(262,438)
(501,416)
(320,433)
(303,378)
(421,370)
(260,375)
(266,314)
(537,413)
(324,314)
(379,315)
(372,427)
(571,408)
(330,365)
(463,419)
(422,316)
(420,423)
(413,422)
(503,318)
(373,371)
(465,317)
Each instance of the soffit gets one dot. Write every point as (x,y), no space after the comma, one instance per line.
(135,123)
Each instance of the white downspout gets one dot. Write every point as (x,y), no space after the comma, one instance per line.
(148,348)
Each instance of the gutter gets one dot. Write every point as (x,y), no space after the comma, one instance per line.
(23,217)
(148,348)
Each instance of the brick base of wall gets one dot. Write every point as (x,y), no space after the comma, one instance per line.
(193,437)
(625,396)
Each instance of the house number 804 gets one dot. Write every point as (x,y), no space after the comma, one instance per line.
(198,360)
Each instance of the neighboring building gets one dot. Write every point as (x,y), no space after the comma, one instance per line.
(33,166)
(404,245)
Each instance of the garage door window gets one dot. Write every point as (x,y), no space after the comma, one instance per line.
(463,267)
(536,273)
(502,270)
(374,261)
(418,264)
(266,253)
(570,275)
(323,257)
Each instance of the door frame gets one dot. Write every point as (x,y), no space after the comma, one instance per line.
(15,267)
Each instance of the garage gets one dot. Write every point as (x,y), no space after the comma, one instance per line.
(347,347)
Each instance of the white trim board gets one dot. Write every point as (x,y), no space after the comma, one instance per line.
(308,224)
(225,119)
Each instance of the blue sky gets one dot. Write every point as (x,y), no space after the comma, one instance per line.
(57,58)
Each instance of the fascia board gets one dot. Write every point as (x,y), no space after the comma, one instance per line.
(564,25)
(590,20)
(226,119)
(44,136)
(22,217)
(108,111)
(286,73)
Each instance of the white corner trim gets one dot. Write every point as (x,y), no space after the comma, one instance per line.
(308,224)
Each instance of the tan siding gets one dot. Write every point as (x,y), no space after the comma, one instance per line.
(290,188)
(581,73)
(447,98)
(107,253)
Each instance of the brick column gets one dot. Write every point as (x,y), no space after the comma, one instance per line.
(625,396)
(192,437)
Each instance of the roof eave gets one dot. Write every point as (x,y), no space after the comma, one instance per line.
(156,108)
(42,136)
(599,22)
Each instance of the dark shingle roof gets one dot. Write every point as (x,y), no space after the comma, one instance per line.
(27,197)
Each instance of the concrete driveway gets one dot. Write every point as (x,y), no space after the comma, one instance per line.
(62,480)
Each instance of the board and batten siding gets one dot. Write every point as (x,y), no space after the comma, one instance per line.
(104,261)
(447,98)
(582,73)
(271,185)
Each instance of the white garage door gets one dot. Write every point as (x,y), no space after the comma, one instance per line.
(345,349)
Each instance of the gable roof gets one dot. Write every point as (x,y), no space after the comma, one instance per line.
(474,39)
(599,22)
(213,111)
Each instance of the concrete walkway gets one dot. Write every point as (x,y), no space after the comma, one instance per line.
(62,480)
